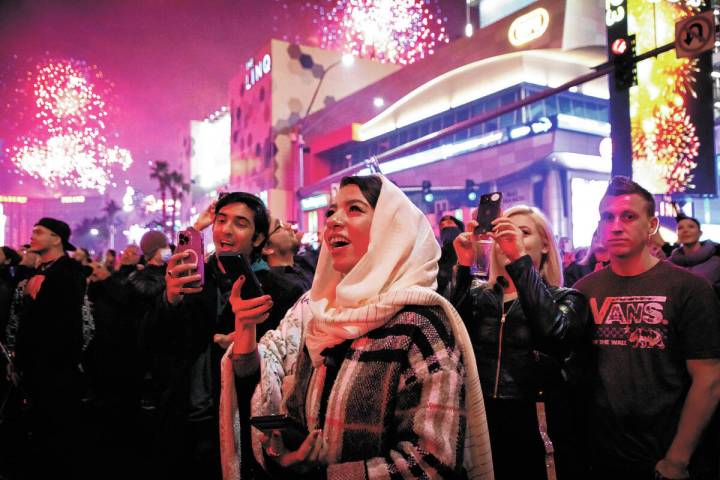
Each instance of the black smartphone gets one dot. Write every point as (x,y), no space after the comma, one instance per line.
(488,210)
(236,264)
(293,432)
(191,240)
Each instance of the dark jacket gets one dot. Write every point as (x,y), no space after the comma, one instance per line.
(446,264)
(118,308)
(181,340)
(544,327)
(705,262)
(49,337)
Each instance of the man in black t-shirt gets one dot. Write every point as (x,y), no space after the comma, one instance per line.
(657,350)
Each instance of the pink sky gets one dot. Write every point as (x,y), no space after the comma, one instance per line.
(170,60)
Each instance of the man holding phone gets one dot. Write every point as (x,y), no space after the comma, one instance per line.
(191,326)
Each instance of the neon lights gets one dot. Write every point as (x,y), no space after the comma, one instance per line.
(255,71)
(73,199)
(315,202)
(583,125)
(13,199)
(528,27)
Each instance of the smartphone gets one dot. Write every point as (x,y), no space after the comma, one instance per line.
(190,240)
(488,210)
(236,264)
(293,432)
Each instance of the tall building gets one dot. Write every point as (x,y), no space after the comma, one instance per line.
(270,100)
(554,153)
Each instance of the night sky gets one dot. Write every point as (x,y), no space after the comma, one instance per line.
(169,60)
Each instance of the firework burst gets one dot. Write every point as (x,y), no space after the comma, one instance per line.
(68,144)
(395,31)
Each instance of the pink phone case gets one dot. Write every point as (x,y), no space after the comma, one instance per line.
(191,240)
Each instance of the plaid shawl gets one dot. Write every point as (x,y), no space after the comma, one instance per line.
(397,409)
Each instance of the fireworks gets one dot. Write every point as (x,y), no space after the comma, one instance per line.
(396,31)
(68,144)
(664,141)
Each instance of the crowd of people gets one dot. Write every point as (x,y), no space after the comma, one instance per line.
(378,356)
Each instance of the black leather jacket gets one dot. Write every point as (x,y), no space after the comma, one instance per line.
(545,326)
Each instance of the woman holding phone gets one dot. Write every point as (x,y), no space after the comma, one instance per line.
(520,321)
(372,362)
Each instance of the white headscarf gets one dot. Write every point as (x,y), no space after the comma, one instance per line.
(399,269)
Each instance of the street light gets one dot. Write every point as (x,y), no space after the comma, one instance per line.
(347,60)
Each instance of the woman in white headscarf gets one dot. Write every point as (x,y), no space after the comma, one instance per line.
(372,362)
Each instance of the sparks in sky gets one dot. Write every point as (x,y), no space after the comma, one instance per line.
(68,144)
(665,146)
(395,31)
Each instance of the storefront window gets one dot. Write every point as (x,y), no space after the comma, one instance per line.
(313,221)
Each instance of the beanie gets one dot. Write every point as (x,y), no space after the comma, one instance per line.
(151,242)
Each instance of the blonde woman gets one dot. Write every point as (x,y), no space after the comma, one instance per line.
(520,322)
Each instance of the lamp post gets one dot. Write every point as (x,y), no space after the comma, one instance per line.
(347,60)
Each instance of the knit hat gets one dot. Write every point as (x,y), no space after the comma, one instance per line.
(59,228)
(151,242)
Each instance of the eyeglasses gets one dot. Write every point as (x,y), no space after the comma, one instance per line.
(280,225)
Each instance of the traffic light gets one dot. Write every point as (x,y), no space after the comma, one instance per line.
(623,51)
(427,194)
(471,190)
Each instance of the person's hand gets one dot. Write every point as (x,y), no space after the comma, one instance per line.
(175,283)
(509,238)
(33,285)
(223,340)
(302,460)
(464,249)
(251,311)
(206,217)
(672,470)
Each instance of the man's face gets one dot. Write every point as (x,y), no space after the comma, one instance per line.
(282,238)
(688,232)
(625,225)
(234,228)
(42,239)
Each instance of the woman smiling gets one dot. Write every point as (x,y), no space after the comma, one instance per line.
(372,362)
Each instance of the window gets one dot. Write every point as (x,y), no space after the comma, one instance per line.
(536,110)
(462,114)
(564,105)
(551,106)
(507,119)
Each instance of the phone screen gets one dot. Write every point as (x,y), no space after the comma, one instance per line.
(488,210)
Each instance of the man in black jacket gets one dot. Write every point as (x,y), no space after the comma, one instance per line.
(49,346)
(190,329)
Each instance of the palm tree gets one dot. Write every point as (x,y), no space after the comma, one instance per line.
(160,172)
(111,209)
(178,188)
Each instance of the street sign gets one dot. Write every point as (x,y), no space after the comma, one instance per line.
(695,35)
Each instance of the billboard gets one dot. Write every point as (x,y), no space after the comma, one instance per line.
(662,127)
